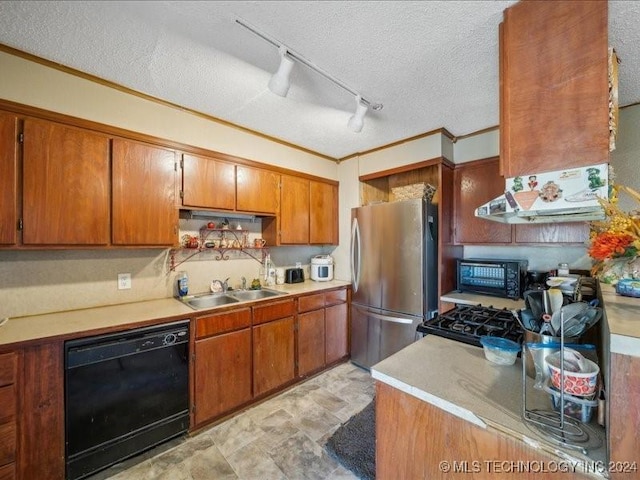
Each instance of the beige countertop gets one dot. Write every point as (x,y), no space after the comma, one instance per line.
(81,322)
(623,317)
(457,378)
(485,300)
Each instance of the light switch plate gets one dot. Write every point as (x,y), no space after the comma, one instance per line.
(124,281)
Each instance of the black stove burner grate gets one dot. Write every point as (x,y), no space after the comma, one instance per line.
(467,323)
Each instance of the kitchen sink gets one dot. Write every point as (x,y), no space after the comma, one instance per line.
(209,300)
(212,300)
(255,294)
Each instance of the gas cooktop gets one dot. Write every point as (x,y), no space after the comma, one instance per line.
(467,323)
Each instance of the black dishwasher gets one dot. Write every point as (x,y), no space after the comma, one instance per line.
(124,393)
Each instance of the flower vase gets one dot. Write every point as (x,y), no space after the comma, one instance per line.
(615,269)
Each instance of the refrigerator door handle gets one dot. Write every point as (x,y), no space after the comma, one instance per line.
(385,318)
(355,254)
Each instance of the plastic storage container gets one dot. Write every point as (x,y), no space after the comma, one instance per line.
(628,287)
(500,351)
(578,408)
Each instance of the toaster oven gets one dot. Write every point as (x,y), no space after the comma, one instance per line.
(498,278)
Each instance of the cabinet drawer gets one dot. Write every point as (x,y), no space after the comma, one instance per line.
(273,311)
(7,442)
(8,364)
(8,472)
(7,404)
(311,302)
(335,296)
(222,322)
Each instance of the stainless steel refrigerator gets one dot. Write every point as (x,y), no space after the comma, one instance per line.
(394,276)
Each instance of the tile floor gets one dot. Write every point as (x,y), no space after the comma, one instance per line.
(280,439)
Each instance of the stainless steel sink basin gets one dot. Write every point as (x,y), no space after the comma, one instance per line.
(209,300)
(254,294)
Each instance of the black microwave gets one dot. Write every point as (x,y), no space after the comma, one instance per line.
(499,278)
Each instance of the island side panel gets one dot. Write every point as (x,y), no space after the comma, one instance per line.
(415,438)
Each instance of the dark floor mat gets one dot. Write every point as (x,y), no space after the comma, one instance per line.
(354,443)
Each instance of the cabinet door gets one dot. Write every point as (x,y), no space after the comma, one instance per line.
(574,232)
(42,413)
(8,178)
(337,332)
(294,210)
(208,183)
(477,183)
(144,194)
(323,213)
(222,374)
(257,190)
(273,355)
(65,185)
(311,341)
(554,86)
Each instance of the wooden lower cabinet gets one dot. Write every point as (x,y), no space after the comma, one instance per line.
(273,355)
(41,422)
(32,413)
(222,374)
(623,415)
(323,330)
(8,414)
(414,438)
(336,333)
(311,341)
(8,472)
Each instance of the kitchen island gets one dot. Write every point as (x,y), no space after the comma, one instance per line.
(441,401)
(444,411)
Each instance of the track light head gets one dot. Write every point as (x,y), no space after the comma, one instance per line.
(279,83)
(356,121)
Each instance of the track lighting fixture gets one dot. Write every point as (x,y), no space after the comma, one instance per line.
(357,119)
(279,82)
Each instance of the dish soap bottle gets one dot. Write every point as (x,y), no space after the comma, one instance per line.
(183,284)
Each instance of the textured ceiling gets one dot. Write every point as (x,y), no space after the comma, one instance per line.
(431,63)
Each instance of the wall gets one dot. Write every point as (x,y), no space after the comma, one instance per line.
(44,281)
(625,159)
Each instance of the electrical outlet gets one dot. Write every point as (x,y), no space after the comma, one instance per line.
(124,281)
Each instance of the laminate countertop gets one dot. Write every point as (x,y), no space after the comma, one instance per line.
(623,318)
(75,323)
(457,378)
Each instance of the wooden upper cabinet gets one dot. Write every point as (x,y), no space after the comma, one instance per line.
(294,210)
(257,190)
(144,194)
(65,185)
(476,183)
(208,183)
(554,108)
(573,232)
(8,178)
(323,213)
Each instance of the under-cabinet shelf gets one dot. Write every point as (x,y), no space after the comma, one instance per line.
(217,253)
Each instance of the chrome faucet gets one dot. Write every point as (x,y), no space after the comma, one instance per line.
(244,283)
(224,286)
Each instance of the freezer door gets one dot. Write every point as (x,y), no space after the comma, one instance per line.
(402,256)
(376,334)
(365,337)
(365,257)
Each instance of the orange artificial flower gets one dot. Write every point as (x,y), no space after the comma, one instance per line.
(609,245)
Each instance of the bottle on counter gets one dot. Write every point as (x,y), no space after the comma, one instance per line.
(563,269)
(183,284)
